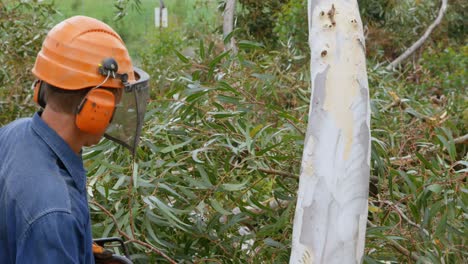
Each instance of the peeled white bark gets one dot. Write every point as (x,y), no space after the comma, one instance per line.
(331,211)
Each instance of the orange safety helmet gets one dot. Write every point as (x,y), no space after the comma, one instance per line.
(74,48)
(83,52)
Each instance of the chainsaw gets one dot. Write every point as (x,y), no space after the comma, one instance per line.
(103,255)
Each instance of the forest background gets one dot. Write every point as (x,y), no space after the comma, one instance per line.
(216,177)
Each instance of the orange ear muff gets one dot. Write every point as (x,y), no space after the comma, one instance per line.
(39,93)
(95,111)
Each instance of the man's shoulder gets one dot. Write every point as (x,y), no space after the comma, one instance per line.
(33,184)
(20,144)
(14,133)
(39,188)
(30,172)
(14,125)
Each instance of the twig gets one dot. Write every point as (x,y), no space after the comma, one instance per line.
(461,140)
(398,247)
(410,158)
(396,102)
(272,203)
(127,237)
(269,171)
(419,43)
(277,172)
(405,251)
(295,126)
(130,199)
(406,217)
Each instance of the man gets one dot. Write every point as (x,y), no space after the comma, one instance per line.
(88,88)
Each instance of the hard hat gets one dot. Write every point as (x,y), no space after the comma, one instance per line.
(83,52)
(74,48)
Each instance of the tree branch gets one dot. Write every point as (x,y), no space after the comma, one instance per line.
(421,41)
(400,248)
(268,171)
(280,173)
(130,198)
(389,203)
(127,237)
(410,158)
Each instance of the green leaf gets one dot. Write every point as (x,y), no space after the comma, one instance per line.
(198,94)
(218,207)
(195,155)
(408,181)
(202,50)
(229,36)
(263,77)
(119,182)
(227,99)
(169,212)
(218,59)
(149,230)
(225,114)
(204,175)
(451,143)
(135,175)
(234,187)
(435,188)
(255,130)
(200,184)
(273,243)
(174,147)
(246,44)
(215,61)
(181,56)
(442,226)
(224,86)
(171,190)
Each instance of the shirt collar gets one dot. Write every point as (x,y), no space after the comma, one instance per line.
(72,161)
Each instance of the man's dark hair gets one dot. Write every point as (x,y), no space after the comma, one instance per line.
(63,101)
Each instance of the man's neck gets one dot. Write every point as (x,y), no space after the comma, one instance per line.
(64,125)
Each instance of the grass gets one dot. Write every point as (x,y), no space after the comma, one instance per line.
(137,27)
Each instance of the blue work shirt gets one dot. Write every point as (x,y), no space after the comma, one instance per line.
(44,213)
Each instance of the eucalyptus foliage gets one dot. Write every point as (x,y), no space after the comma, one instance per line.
(209,182)
(19,45)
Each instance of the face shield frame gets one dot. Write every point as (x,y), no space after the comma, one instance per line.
(127,121)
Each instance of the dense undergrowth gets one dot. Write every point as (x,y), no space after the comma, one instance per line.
(215,179)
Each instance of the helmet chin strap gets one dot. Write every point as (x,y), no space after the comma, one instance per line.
(105,80)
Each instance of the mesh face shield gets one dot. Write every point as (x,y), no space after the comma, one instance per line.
(127,122)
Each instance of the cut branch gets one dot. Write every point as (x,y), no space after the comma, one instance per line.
(406,217)
(128,237)
(268,171)
(420,41)
(400,248)
(410,158)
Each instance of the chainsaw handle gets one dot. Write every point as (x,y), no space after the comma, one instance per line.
(118,260)
(102,241)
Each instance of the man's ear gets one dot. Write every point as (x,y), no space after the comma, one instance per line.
(39,93)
